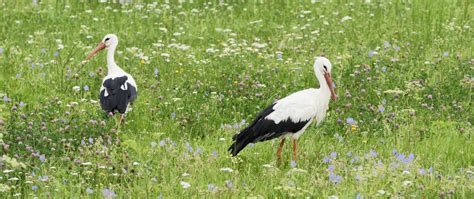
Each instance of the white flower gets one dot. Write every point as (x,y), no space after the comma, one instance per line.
(185,184)
(407,183)
(76,88)
(345,18)
(227,170)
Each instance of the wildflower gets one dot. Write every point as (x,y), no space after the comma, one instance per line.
(1,50)
(335,178)
(422,171)
(386,44)
(89,191)
(349,153)
(76,88)
(22,104)
(91,140)
(279,55)
(358,196)
(162,143)
(384,69)
(153,144)
(34,188)
(430,170)
(373,153)
(56,53)
(214,153)
(331,167)
(333,154)
(371,53)
(160,196)
(156,72)
(42,158)
(185,185)
(326,160)
(18,75)
(396,48)
(211,187)
(229,184)
(354,127)
(345,18)
(108,193)
(350,121)
(43,50)
(6,99)
(381,109)
(86,88)
(445,54)
(227,170)
(173,115)
(394,152)
(293,164)
(190,148)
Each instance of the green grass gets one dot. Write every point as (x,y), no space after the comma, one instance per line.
(211,72)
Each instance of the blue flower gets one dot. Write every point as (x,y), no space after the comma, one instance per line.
(384,69)
(162,143)
(445,54)
(56,53)
(381,109)
(214,153)
(335,178)
(326,160)
(349,153)
(293,164)
(173,115)
(156,72)
(22,104)
(430,170)
(34,188)
(331,167)
(1,50)
(229,184)
(190,148)
(371,53)
(42,158)
(211,187)
(108,193)
(394,152)
(422,171)
(350,120)
(333,154)
(373,153)
(91,140)
(86,88)
(6,99)
(279,56)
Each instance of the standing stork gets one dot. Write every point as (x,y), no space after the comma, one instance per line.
(290,116)
(118,88)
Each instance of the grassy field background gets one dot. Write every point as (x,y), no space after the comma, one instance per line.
(402,126)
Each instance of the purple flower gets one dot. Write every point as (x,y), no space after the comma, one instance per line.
(56,53)
(411,156)
(34,188)
(397,48)
(6,99)
(279,56)
(371,53)
(445,54)
(42,158)
(293,164)
(373,153)
(83,142)
(350,121)
(384,69)
(394,152)
(156,72)
(422,171)
(89,191)
(173,115)
(430,170)
(108,193)
(86,88)
(162,143)
(335,178)
(214,153)
(91,140)
(333,154)
(190,148)
(326,160)
(349,153)
(381,109)
(331,167)
(33,65)
(22,104)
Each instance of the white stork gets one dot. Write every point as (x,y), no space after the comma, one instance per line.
(290,116)
(118,87)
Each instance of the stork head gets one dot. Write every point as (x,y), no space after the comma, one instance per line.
(109,41)
(323,65)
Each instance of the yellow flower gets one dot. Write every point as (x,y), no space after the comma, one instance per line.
(354,127)
(142,61)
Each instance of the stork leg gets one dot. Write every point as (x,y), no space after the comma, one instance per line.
(294,149)
(280,148)
(122,118)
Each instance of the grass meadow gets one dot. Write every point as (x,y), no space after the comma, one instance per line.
(402,126)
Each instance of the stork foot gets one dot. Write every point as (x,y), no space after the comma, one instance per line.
(122,118)
(111,114)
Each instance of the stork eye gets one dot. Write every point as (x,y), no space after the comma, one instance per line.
(107,39)
(325,68)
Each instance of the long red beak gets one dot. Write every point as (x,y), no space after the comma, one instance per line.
(328,78)
(99,47)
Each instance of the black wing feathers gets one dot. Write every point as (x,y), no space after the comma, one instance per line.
(117,98)
(263,129)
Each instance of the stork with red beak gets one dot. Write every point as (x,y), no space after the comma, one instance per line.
(118,88)
(290,116)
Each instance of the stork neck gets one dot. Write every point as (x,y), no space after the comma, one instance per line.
(322,83)
(112,67)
